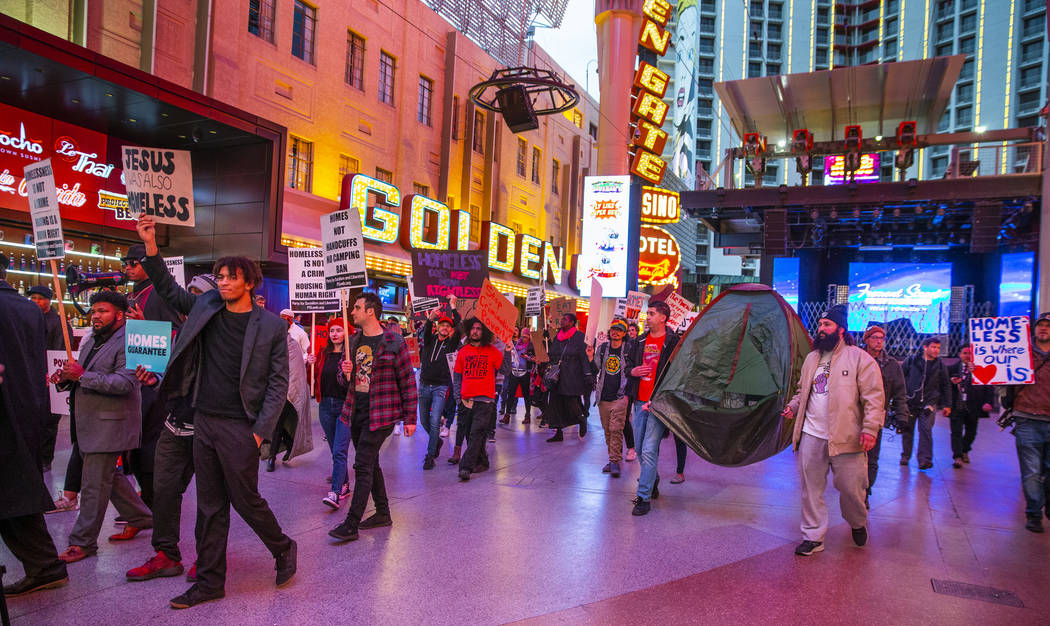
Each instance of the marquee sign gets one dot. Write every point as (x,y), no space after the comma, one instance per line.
(659,257)
(650,84)
(660,206)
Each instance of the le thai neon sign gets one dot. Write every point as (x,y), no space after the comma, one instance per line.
(432,225)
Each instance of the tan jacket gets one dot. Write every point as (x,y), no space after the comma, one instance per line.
(856,405)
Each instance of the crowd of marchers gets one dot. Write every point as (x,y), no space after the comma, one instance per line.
(236,393)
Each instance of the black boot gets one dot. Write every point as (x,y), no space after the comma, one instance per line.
(557,436)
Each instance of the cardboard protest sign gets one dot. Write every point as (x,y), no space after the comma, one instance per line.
(534,301)
(466,307)
(679,308)
(636,301)
(1002,351)
(539,348)
(177,269)
(495,312)
(437,273)
(306,286)
(593,312)
(43,208)
(413,350)
(450,358)
(148,344)
(159,182)
(344,250)
(559,307)
(59,399)
(687,321)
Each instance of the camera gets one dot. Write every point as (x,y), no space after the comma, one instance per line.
(1006,420)
(897,423)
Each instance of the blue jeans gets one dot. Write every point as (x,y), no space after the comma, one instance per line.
(1033,453)
(431,406)
(650,432)
(338,435)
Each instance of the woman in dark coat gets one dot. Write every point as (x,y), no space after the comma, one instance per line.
(565,404)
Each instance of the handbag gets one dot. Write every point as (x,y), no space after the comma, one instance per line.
(551,375)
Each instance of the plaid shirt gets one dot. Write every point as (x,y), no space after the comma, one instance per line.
(392,389)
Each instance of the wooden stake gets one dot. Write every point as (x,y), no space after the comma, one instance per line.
(61,309)
(343,295)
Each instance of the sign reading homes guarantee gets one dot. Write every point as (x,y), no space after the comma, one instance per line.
(439,273)
(43,208)
(344,250)
(159,183)
(306,288)
(148,344)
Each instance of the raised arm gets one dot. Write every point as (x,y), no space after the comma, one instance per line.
(163,282)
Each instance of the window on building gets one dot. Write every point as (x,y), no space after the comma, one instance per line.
(555,175)
(300,163)
(1028,101)
(304,23)
(704,146)
(773,51)
(475,223)
(889,48)
(455,117)
(967,70)
(754,49)
(707,45)
(967,45)
(891,27)
(945,31)
(707,86)
(261,17)
(707,25)
(754,69)
(891,6)
(1031,76)
(386,78)
(773,31)
(967,23)
(703,128)
(706,66)
(1034,26)
(384,175)
(822,15)
(704,106)
(536,164)
(964,117)
(1032,51)
(822,35)
(964,93)
(938,166)
(348,166)
(426,92)
(355,60)
(523,148)
(756,8)
(478,140)
(420,189)
(776,11)
(943,50)
(1028,121)
(772,69)
(756,31)
(592,130)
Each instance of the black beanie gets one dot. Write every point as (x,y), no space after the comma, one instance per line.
(837,314)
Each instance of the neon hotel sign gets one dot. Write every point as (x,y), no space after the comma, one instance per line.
(525,255)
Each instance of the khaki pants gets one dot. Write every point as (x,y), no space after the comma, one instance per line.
(613,415)
(851,480)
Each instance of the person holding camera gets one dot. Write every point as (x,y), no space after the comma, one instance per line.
(929,390)
(895,391)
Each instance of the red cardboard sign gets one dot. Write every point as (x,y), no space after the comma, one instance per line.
(496,312)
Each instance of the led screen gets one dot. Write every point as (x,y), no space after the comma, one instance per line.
(785,279)
(606,222)
(835,169)
(884,292)
(1015,284)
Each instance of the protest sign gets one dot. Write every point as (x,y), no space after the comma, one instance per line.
(147,344)
(534,301)
(177,269)
(450,358)
(593,312)
(43,208)
(159,182)
(636,301)
(559,307)
(687,321)
(306,286)
(621,308)
(679,307)
(59,399)
(539,348)
(1002,351)
(465,307)
(419,304)
(495,312)
(413,350)
(438,273)
(344,250)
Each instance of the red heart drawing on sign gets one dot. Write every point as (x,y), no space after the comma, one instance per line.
(984,373)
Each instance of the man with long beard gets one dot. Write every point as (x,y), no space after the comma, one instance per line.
(841,406)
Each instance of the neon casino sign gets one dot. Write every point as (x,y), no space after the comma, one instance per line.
(426,224)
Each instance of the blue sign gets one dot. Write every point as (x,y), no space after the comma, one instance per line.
(147,344)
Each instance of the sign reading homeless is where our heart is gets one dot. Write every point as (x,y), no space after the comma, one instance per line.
(159,182)
(439,273)
(1002,351)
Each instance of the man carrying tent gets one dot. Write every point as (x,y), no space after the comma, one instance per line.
(840,407)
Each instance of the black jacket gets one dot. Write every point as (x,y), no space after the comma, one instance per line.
(637,348)
(928,382)
(572,354)
(264,360)
(24,406)
(893,385)
(433,368)
(966,396)
(53,330)
(156,308)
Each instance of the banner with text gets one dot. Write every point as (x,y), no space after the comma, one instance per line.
(680,307)
(306,287)
(177,269)
(344,250)
(420,304)
(43,209)
(437,273)
(495,312)
(534,301)
(148,344)
(56,359)
(1002,351)
(160,183)
(636,301)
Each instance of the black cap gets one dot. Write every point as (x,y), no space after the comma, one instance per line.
(136,252)
(838,314)
(41,290)
(1043,317)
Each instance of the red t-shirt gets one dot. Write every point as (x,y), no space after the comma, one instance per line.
(478,365)
(650,356)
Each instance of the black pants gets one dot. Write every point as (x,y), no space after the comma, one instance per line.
(226,460)
(482,418)
(964,431)
(48,439)
(368,476)
(873,461)
(27,538)
(628,430)
(510,391)
(75,466)
(173,471)
(680,453)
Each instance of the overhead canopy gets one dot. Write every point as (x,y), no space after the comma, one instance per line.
(877,97)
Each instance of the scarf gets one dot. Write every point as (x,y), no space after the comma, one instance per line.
(563,335)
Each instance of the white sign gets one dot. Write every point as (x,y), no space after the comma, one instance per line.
(344,250)
(43,209)
(177,269)
(534,301)
(1002,351)
(160,183)
(687,321)
(606,220)
(306,285)
(636,301)
(594,312)
(679,308)
(421,305)
(59,399)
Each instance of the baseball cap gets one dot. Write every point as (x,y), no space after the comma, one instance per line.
(287,313)
(1043,317)
(444,319)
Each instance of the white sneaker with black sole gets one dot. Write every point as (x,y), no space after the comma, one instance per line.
(332,499)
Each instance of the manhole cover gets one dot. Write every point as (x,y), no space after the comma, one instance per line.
(976,592)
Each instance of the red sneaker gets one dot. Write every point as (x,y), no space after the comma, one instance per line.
(159,566)
(129,532)
(191,576)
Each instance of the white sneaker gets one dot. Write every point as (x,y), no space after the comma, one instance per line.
(332,500)
(444,432)
(397,429)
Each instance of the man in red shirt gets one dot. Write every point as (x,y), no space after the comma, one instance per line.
(652,350)
(475,386)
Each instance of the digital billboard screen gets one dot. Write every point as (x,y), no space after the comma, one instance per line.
(835,169)
(1015,284)
(883,292)
(785,279)
(606,224)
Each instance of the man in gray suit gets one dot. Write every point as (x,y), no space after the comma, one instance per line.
(105,402)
